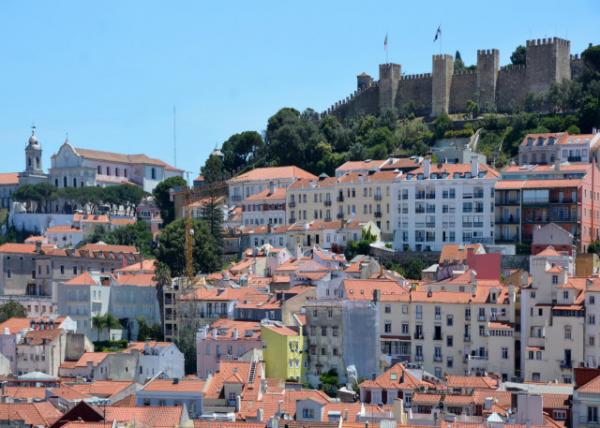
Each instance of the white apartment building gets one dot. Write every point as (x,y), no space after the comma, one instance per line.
(444,203)
(258,179)
(77,167)
(553,329)
(266,207)
(557,146)
(126,296)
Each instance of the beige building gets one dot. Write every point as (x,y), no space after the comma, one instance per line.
(259,179)
(456,326)
(552,321)
(353,196)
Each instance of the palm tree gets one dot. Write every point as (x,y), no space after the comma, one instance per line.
(110,323)
(98,322)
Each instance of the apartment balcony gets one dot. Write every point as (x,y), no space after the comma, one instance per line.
(478,195)
(236,198)
(430,224)
(478,210)
(420,195)
(292,220)
(327,202)
(377,214)
(507,202)
(418,336)
(536,342)
(478,224)
(467,337)
(292,204)
(479,357)
(574,158)
(508,219)
(377,197)
(419,358)
(340,216)
(467,210)
(566,364)
(467,224)
(419,210)
(430,210)
(430,195)
(437,337)
(340,198)
(437,358)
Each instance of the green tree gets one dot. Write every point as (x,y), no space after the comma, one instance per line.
(137,234)
(186,342)
(105,322)
(519,56)
(171,248)
(212,214)
(330,382)
(98,323)
(591,58)
(242,150)
(472,109)
(459,65)
(148,332)
(213,169)
(442,124)
(162,197)
(12,309)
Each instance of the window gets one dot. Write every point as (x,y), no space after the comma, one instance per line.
(449,320)
(568,332)
(565,295)
(404,328)
(334,330)
(419,311)
(449,341)
(387,327)
(592,414)
(504,353)
(153,173)
(592,300)
(591,319)
(592,341)
(555,279)
(324,331)
(388,309)
(308,413)
(449,362)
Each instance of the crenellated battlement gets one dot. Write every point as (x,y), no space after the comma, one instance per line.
(465,72)
(513,67)
(487,52)
(549,41)
(416,76)
(492,86)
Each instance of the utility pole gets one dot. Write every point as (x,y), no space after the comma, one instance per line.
(174,136)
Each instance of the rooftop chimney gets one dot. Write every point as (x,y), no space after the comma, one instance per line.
(426,168)
(474,166)
(236,334)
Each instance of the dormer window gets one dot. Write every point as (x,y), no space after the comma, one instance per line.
(540,141)
(530,141)
(551,141)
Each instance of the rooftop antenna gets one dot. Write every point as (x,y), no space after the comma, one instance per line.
(174,136)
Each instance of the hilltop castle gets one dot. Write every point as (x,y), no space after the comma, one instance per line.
(443,91)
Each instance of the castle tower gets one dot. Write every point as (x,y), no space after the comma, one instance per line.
(389,78)
(33,155)
(548,61)
(488,64)
(363,81)
(442,70)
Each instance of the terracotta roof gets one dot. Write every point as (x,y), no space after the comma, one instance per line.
(361,165)
(63,228)
(226,326)
(537,184)
(140,346)
(362,289)
(15,325)
(122,221)
(560,138)
(33,414)
(549,251)
(266,195)
(458,252)
(139,280)
(396,377)
(402,163)
(556,401)
(128,249)
(122,158)
(451,169)
(152,417)
(101,388)
(226,370)
(24,392)
(313,183)
(146,265)
(9,179)
(592,387)
(421,398)
(37,337)
(83,279)
(273,173)
(182,385)
(471,382)
(280,329)
(94,358)
(17,248)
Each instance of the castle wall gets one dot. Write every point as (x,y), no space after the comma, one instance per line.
(462,89)
(415,88)
(511,88)
(360,103)
(442,71)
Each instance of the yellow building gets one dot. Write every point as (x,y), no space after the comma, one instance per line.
(282,352)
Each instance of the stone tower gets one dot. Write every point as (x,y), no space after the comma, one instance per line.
(548,61)
(389,78)
(442,70)
(363,81)
(488,64)
(33,155)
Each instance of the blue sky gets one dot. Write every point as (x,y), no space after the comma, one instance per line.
(110,72)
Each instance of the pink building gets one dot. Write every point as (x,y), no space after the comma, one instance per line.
(225,339)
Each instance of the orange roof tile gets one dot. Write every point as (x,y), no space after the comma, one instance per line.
(38,337)
(273,173)
(83,279)
(278,194)
(181,385)
(100,388)
(15,325)
(122,158)
(9,179)
(17,248)
(139,280)
(458,252)
(128,249)
(146,265)
(280,329)
(451,169)
(361,165)
(549,251)
(33,414)
(362,289)
(151,417)
(471,382)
